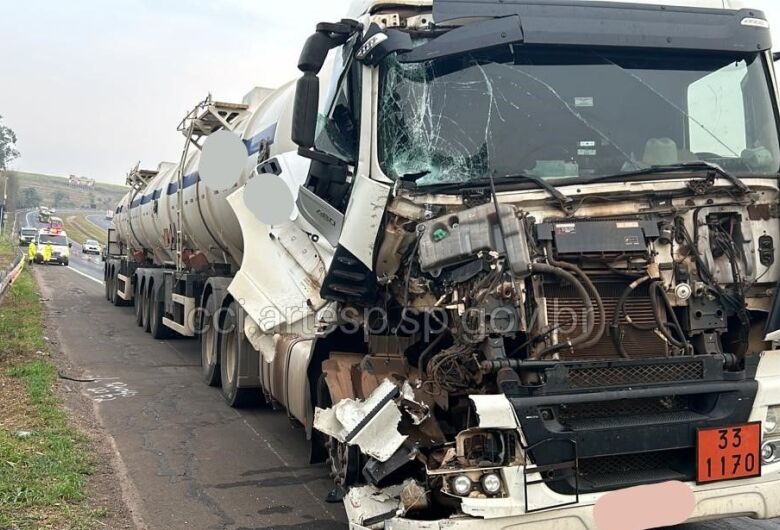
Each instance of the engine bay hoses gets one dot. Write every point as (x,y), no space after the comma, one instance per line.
(594,293)
(657,292)
(590,313)
(615,329)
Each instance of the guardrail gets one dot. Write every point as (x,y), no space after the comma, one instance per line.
(9,275)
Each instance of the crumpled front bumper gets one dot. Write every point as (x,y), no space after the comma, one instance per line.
(756,498)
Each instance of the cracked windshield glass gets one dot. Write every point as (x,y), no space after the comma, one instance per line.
(573,112)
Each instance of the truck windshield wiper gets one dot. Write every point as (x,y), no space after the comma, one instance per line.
(698,166)
(485,182)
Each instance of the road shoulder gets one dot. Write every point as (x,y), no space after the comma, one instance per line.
(58,469)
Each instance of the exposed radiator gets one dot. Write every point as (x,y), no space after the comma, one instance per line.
(639,344)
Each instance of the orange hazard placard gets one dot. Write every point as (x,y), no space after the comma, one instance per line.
(727,453)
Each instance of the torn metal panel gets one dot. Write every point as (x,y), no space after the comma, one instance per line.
(418,411)
(372,425)
(367,504)
(495,412)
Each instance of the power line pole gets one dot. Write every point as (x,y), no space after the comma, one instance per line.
(3,203)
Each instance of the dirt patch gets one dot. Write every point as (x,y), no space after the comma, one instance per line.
(16,406)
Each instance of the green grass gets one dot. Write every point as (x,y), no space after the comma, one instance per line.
(79,228)
(6,251)
(42,476)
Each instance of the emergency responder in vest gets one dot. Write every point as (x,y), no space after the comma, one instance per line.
(47,252)
(31,252)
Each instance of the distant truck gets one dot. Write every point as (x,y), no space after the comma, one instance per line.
(109,215)
(56,225)
(44,214)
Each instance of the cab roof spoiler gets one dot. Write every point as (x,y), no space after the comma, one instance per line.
(613,24)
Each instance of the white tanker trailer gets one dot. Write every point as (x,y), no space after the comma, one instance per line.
(526,263)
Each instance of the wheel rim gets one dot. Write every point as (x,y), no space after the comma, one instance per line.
(230,357)
(209,352)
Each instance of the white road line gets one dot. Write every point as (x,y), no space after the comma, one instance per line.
(86,275)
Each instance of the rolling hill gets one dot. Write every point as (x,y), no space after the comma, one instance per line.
(30,190)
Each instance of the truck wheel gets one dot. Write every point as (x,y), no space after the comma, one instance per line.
(209,351)
(145,310)
(229,364)
(107,286)
(115,298)
(156,311)
(139,307)
(345,462)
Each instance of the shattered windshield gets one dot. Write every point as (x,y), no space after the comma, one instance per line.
(573,112)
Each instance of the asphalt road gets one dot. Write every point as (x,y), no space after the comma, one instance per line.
(100,221)
(190,461)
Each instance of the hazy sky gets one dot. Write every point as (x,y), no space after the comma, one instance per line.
(92,86)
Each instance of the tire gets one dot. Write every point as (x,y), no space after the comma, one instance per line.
(107,286)
(115,298)
(66,263)
(345,460)
(209,346)
(145,310)
(230,338)
(156,311)
(139,307)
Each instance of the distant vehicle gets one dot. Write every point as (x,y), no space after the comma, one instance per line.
(60,247)
(91,247)
(109,215)
(56,224)
(44,214)
(27,235)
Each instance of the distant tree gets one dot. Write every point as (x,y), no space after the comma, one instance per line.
(29,198)
(8,151)
(60,198)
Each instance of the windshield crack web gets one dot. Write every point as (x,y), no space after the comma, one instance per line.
(420,138)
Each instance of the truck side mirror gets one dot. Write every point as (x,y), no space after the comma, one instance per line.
(305,110)
(776,56)
(311,61)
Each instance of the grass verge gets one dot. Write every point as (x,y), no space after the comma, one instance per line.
(79,229)
(44,461)
(6,251)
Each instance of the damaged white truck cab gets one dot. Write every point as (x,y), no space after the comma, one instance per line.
(554,266)
(531,261)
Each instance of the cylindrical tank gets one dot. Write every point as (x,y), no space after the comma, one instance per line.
(146,221)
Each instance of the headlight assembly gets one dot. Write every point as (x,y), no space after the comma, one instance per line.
(771,426)
(461,485)
(491,484)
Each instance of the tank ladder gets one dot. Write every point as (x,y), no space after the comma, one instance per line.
(205,119)
(139,179)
